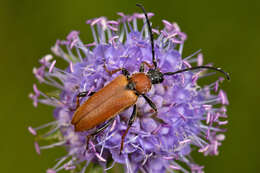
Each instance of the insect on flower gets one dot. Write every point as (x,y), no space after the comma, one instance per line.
(122,93)
(130,98)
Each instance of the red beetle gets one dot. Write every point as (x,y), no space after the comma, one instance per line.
(120,94)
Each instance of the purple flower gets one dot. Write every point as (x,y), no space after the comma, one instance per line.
(189,116)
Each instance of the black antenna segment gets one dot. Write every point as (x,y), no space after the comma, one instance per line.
(150,32)
(198,67)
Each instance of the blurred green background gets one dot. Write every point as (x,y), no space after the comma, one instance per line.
(227,32)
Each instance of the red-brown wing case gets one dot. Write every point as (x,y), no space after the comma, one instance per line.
(103,105)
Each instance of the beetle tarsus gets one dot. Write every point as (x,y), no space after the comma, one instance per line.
(130,122)
(87,142)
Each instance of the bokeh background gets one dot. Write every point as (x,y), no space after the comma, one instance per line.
(227,32)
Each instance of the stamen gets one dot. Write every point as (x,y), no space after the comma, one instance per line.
(112,165)
(193,54)
(181,48)
(85,167)
(215,150)
(53,145)
(79,54)
(113,126)
(52,131)
(220,137)
(95,21)
(195,78)
(223,97)
(35,89)
(128,165)
(185,141)
(112,39)
(73,35)
(135,25)
(176,41)
(69,166)
(186,63)
(100,158)
(204,149)
(37,148)
(222,122)
(59,162)
(167,25)
(94,35)
(73,43)
(52,66)
(46,125)
(174,167)
(71,67)
(171,35)
(46,59)
(208,117)
(32,131)
(156,31)
(113,22)
(91,44)
(200,59)
(112,28)
(51,171)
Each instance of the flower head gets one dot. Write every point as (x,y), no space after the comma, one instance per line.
(189,116)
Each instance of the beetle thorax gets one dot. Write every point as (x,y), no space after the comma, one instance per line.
(142,82)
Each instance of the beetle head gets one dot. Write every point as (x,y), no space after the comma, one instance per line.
(155,76)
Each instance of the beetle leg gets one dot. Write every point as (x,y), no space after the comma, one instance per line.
(150,102)
(111,71)
(100,129)
(81,94)
(141,69)
(124,71)
(130,122)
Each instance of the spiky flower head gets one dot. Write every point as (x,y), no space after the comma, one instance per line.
(189,116)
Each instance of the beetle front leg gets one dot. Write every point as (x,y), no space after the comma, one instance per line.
(141,69)
(111,71)
(150,102)
(124,71)
(130,122)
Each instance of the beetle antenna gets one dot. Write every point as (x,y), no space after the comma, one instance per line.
(150,32)
(199,67)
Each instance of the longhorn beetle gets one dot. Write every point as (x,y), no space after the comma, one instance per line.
(122,93)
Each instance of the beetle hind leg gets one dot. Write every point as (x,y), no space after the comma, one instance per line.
(130,122)
(100,129)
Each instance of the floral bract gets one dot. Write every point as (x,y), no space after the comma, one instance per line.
(189,116)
